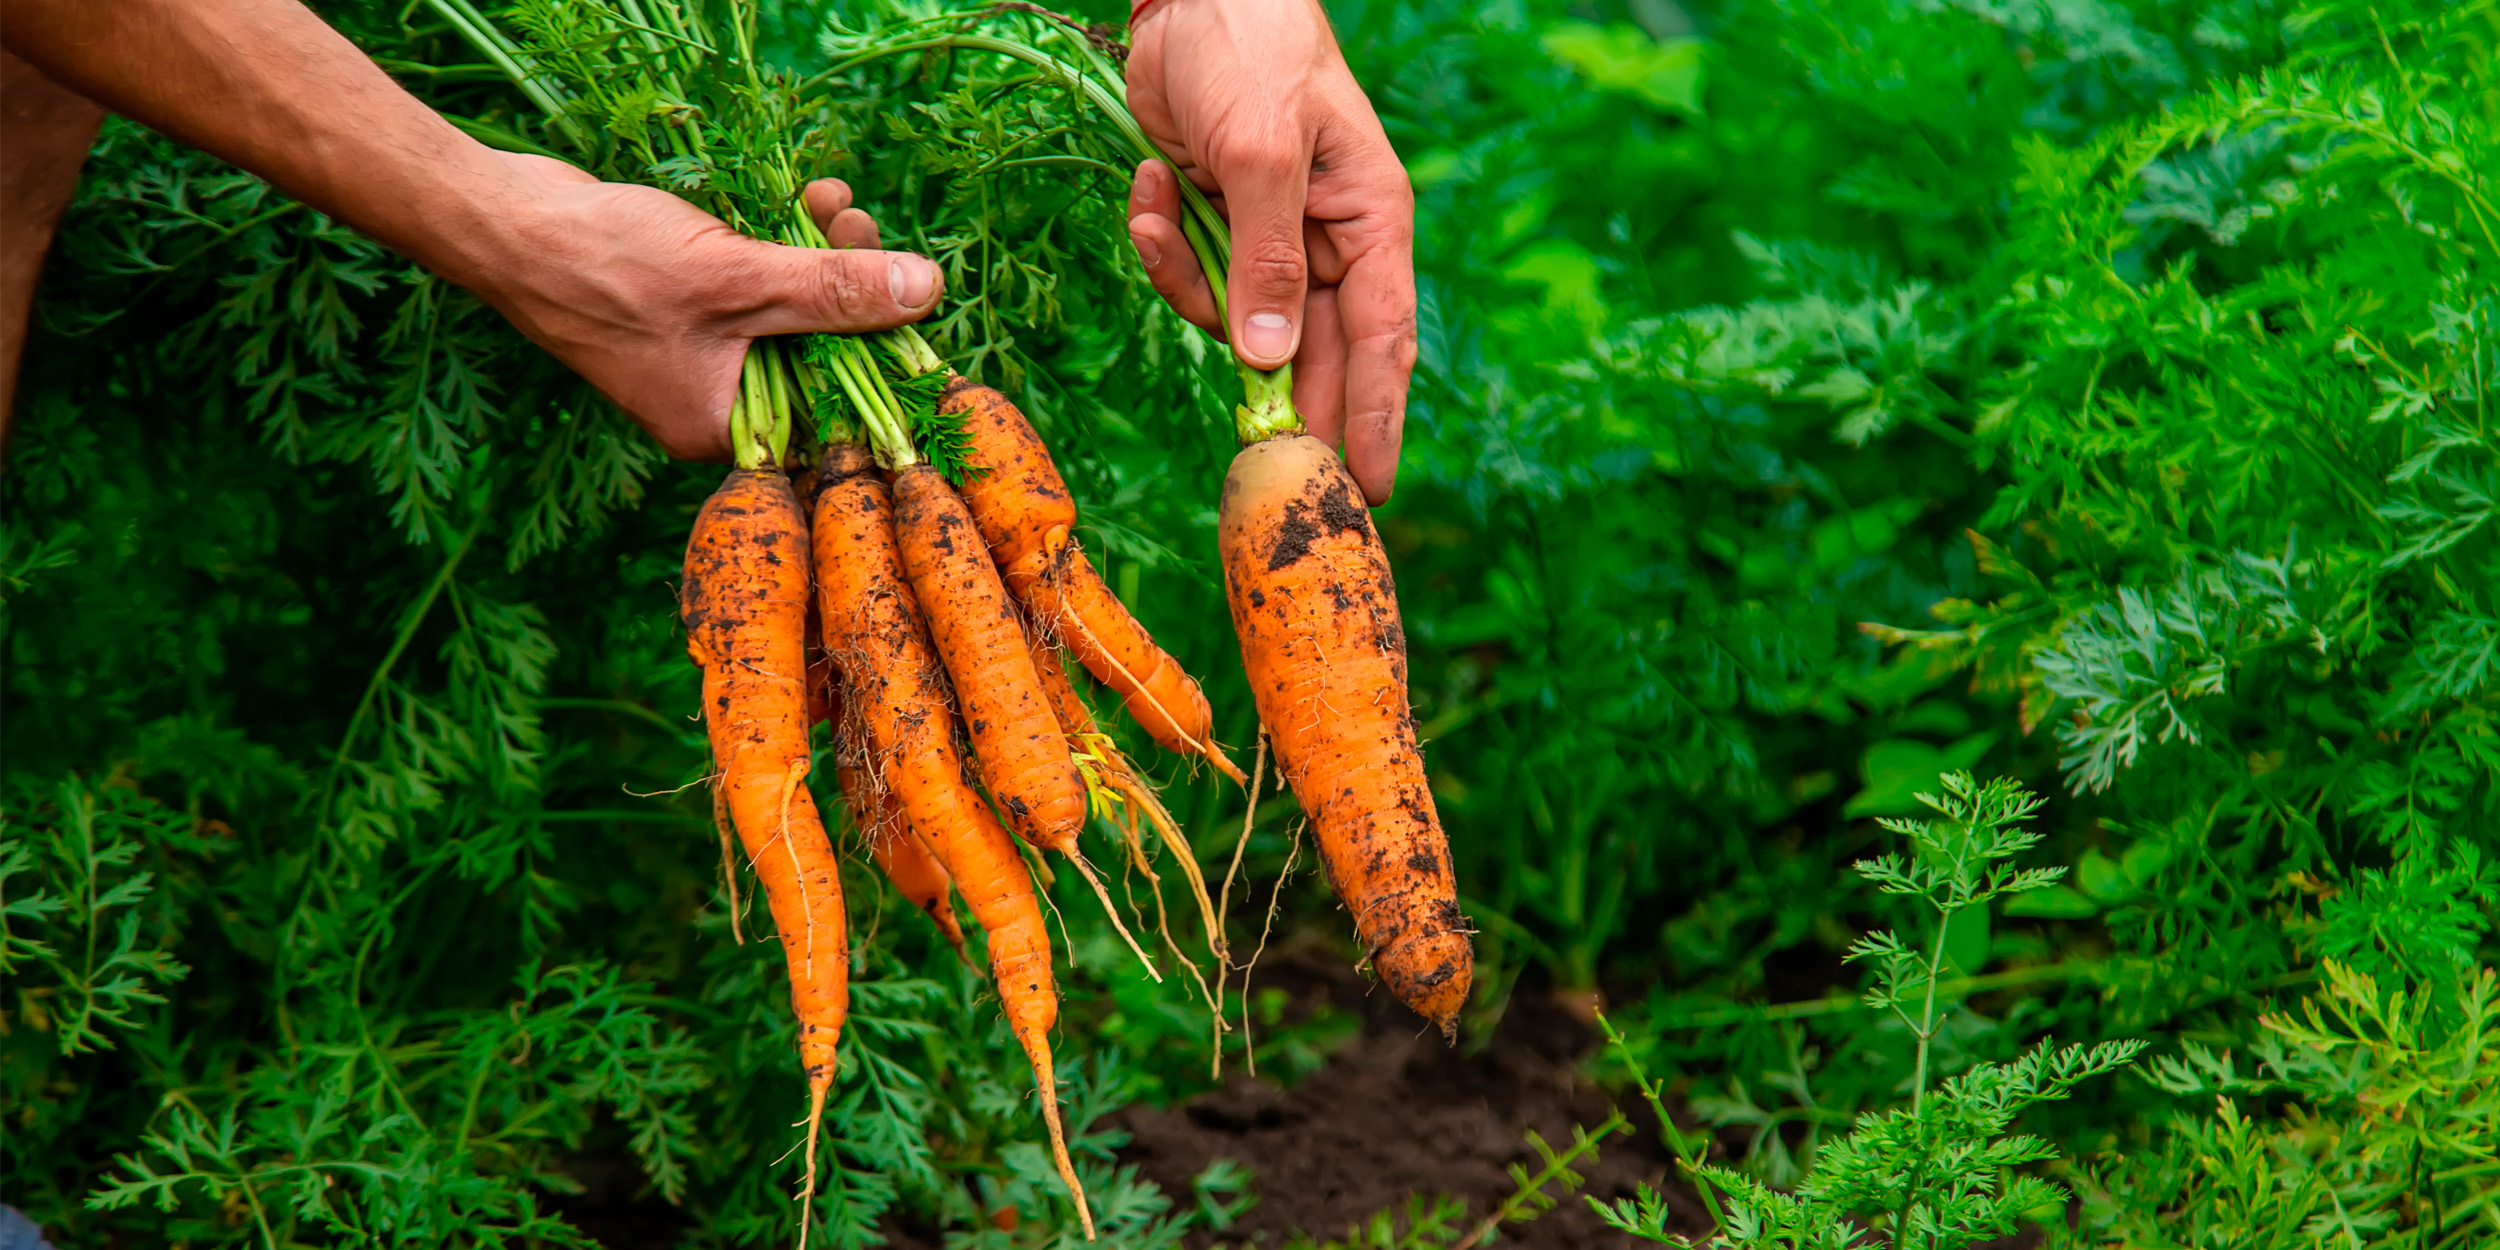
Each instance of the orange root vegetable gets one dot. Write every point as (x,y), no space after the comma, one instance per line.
(1121,778)
(745,608)
(1077,730)
(1026,516)
(1317,613)
(979,637)
(819,672)
(1018,498)
(728,859)
(899,851)
(895,687)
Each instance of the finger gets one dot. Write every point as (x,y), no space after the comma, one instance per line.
(1377,306)
(1319,368)
(805,290)
(1174,270)
(827,199)
(1327,261)
(1154,191)
(853,228)
(1266,185)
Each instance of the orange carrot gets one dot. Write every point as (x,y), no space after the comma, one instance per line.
(1023,755)
(745,609)
(1116,775)
(1317,613)
(1026,517)
(899,850)
(896,688)
(819,671)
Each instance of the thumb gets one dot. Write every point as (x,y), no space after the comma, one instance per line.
(1268,198)
(808,290)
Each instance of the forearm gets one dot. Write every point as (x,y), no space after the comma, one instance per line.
(268,86)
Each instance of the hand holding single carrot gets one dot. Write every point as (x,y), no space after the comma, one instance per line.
(1254,102)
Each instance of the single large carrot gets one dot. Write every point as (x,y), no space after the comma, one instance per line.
(1317,613)
(895,686)
(744,603)
(1027,517)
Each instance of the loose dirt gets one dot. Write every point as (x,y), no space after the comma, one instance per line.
(1395,1112)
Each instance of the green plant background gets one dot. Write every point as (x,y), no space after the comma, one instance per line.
(1816,397)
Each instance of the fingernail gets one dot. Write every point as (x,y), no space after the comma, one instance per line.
(913,281)
(1268,336)
(1147,252)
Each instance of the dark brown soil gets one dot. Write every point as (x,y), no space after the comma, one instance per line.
(1395,1112)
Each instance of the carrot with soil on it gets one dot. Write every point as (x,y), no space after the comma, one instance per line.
(899,851)
(980,637)
(897,692)
(1316,610)
(744,603)
(1112,770)
(1027,517)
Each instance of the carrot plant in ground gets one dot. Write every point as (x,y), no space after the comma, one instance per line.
(2213,547)
(2242,573)
(1941,1172)
(2365,1117)
(1646,730)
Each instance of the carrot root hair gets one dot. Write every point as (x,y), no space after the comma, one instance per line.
(1136,844)
(1086,870)
(1142,796)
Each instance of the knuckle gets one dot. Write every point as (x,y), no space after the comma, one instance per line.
(843,291)
(1276,267)
(1240,150)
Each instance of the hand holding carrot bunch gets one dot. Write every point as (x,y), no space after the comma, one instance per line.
(919,579)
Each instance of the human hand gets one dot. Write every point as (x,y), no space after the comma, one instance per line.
(1255,103)
(654,301)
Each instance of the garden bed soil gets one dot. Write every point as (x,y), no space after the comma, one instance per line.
(1396,1112)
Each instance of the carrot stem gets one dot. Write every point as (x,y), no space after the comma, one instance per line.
(912,350)
(759,428)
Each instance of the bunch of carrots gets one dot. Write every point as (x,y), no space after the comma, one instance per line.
(939,616)
(895,557)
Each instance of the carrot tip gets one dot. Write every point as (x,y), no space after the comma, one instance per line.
(1225,765)
(817,1088)
(1038,1048)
